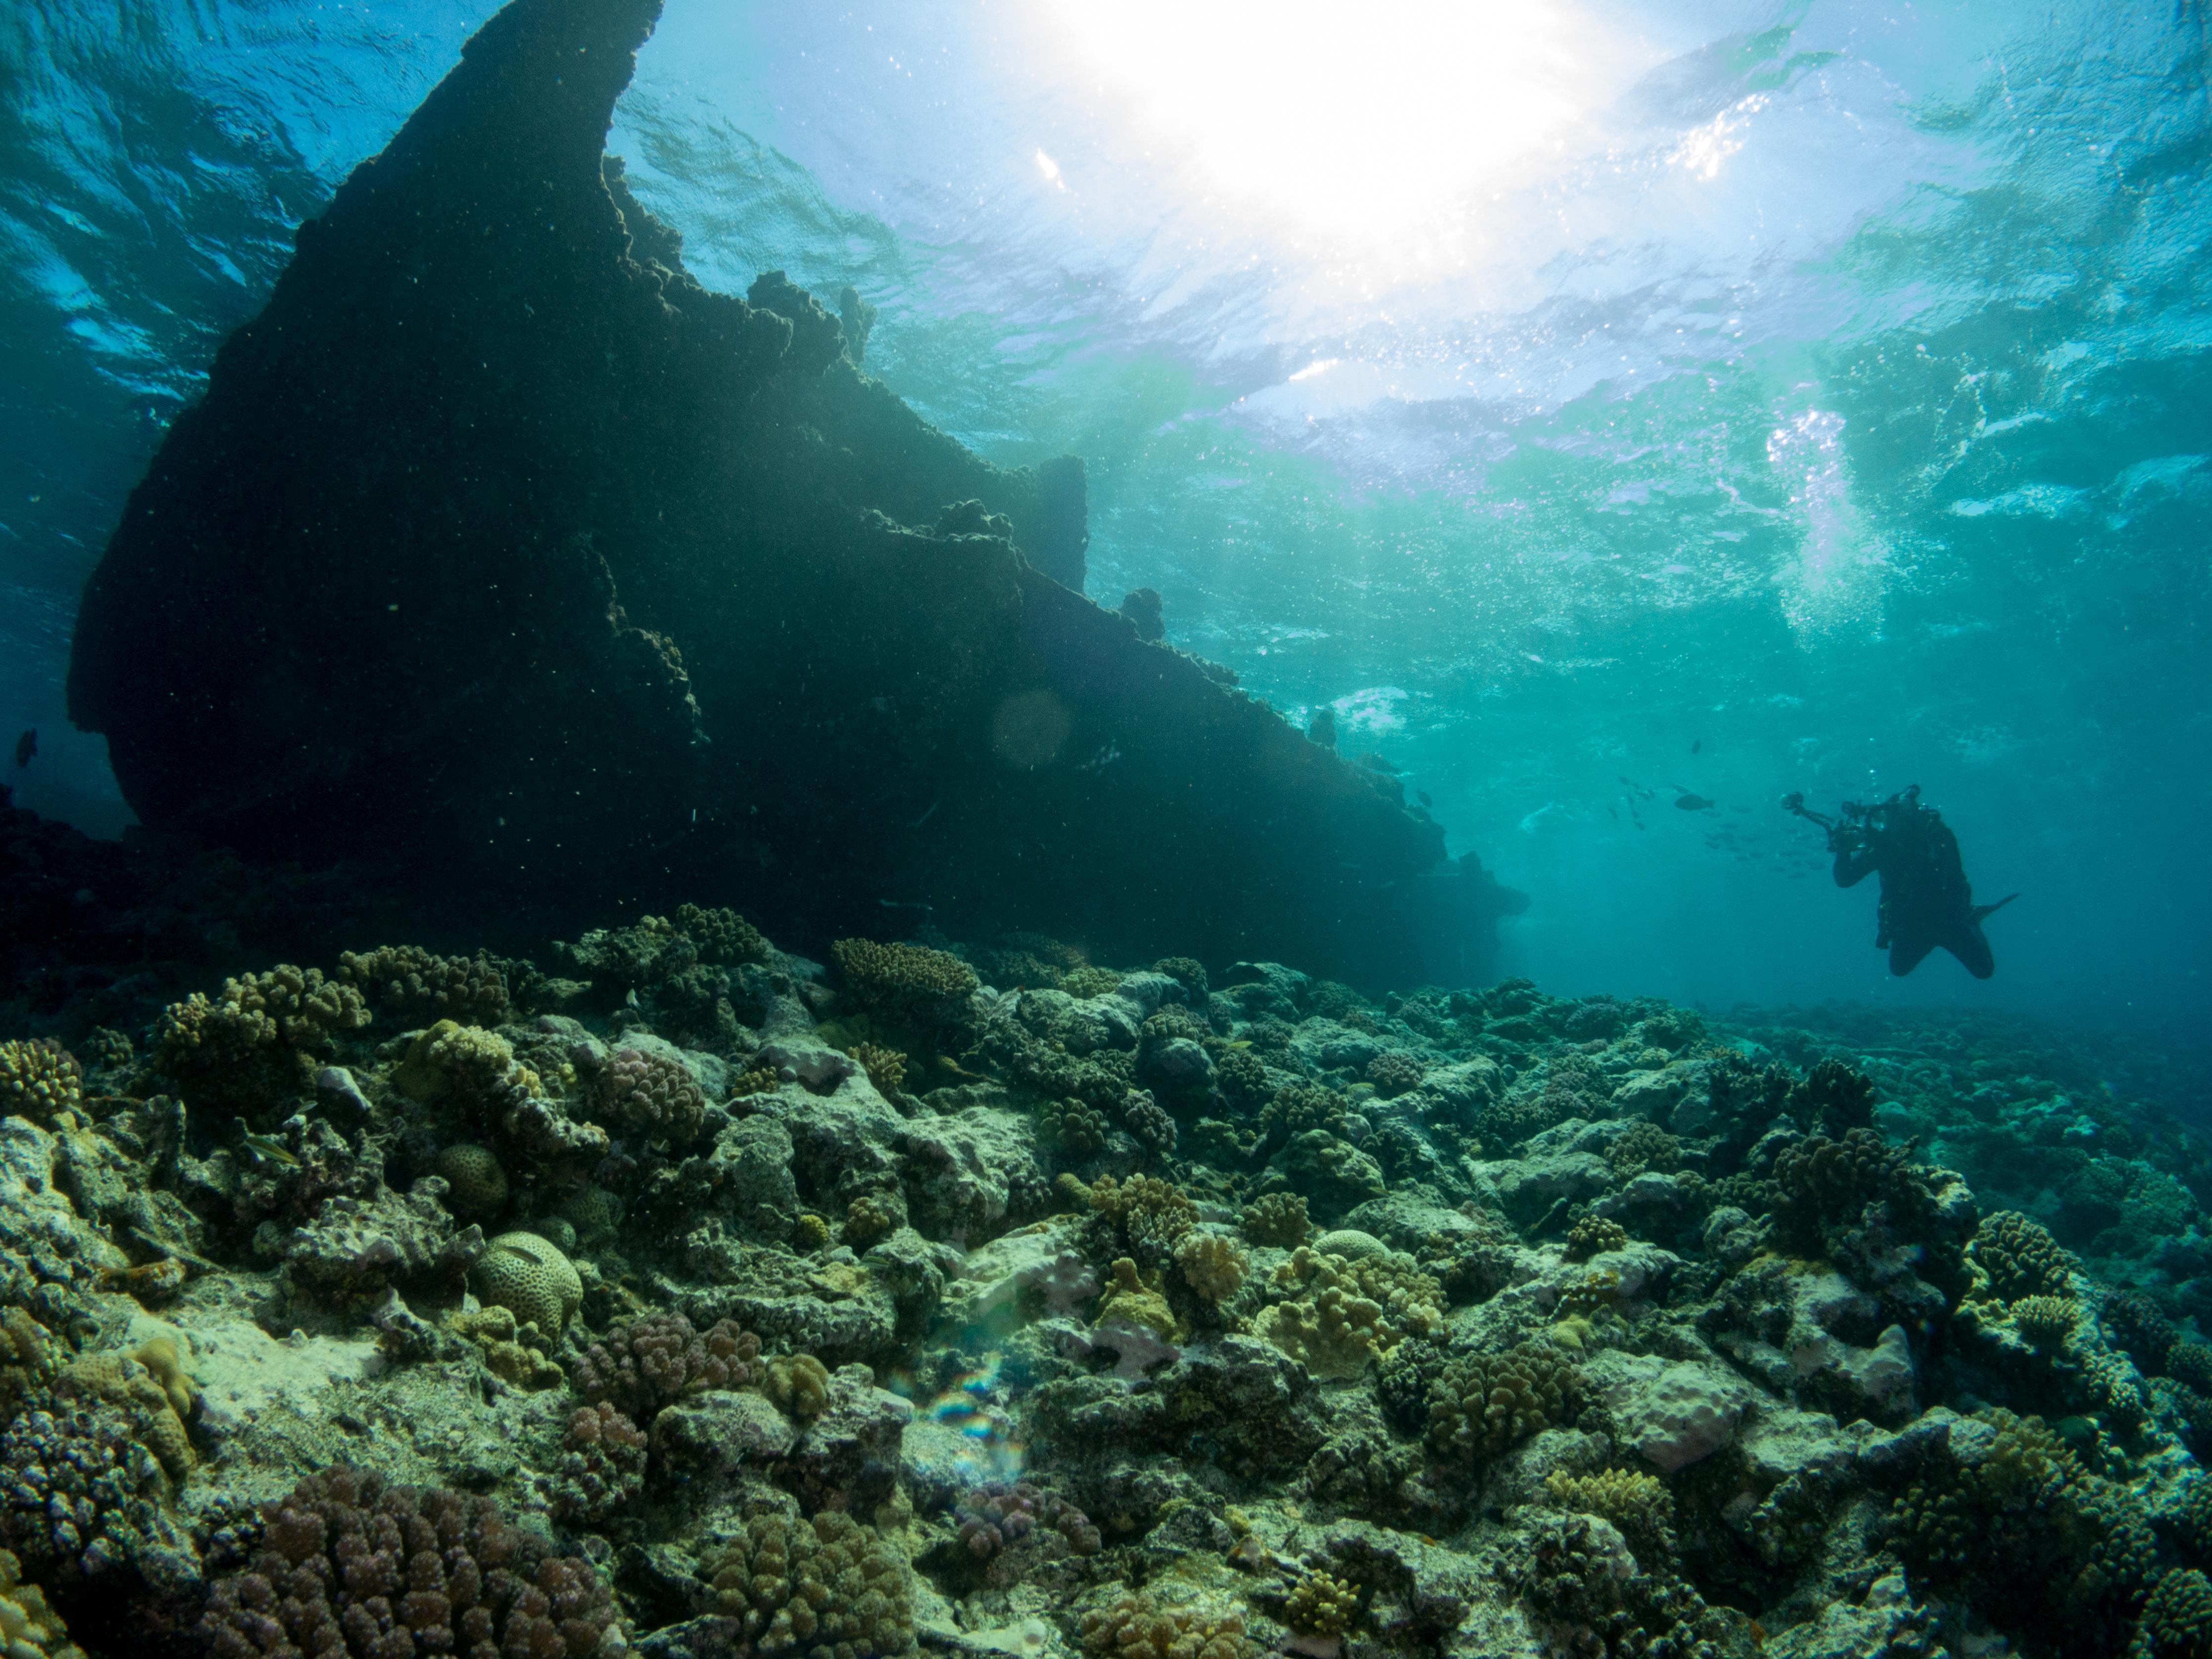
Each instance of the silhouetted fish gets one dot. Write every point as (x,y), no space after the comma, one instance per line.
(1690,803)
(26,746)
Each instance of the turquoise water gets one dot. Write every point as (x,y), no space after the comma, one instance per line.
(1729,399)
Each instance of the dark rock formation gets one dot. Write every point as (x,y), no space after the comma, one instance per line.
(503,553)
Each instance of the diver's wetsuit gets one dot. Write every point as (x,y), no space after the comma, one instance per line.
(1926,900)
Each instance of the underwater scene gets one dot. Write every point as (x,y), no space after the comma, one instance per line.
(1054,830)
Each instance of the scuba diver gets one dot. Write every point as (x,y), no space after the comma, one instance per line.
(1926,900)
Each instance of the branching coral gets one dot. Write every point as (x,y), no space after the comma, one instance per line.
(828,1587)
(645,1363)
(2045,1321)
(2177,1621)
(1639,1504)
(652,1094)
(1393,1071)
(799,1385)
(248,1044)
(1411,1302)
(1076,1129)
(1138,1626)
(29,1629)
(2020,1257)
(907,980)
(1149,1217)
(1594,1235)
(602,1466)
(1823,1185)
(1213,1266)
(1484,1403)
(352,1564)
(886,1068)
(81,1497)
(1645,1146)
(1322,1606)
(721,934)
(37,1078)
(1277,1218)
(417,987)
(1000,1513)
(1333,1335)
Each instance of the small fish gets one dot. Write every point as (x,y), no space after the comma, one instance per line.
(26,746)
(1422,796)
(1696,744)
(957,1070)
(1690,803)
(262,1146)
(1242,1042)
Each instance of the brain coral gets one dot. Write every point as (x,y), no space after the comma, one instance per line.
(830,1588)
(353,1565)
(526,1275)
(37,1078)
(478,1182)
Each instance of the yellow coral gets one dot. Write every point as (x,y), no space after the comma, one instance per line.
(1138,1626)
(1333,1336)
(513,1353)
(29,1629)
(38,1079)
(1638,1504)
(1135,1299)
(1213,1266)
(466,1062)
(529,1274)
(1412,1300)
(1322,1606)
(799,1385)
(152,1386)
(886,1068)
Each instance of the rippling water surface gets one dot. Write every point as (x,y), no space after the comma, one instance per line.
(1724,399)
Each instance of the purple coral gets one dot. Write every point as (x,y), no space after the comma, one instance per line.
(1145,1118)
(352,1564)
(653,1095)
(602,1465)
(995,1515)
(643,1364)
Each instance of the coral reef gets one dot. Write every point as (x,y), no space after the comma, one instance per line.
(644,1364)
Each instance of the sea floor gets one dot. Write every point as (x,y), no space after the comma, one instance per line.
(664,1289)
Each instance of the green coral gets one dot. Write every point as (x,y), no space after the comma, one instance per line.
(722,935)
(905,981)
(2020,1257)
(525,1274)
(37,1078)
(417,988)
(1137,1624)
(1594,1235)
(2177,1621)
(1278,1219)
(828,1587)
(1484,1403)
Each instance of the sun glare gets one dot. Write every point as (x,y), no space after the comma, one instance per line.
(1344,122)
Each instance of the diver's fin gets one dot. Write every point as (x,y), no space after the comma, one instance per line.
(1983,912)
